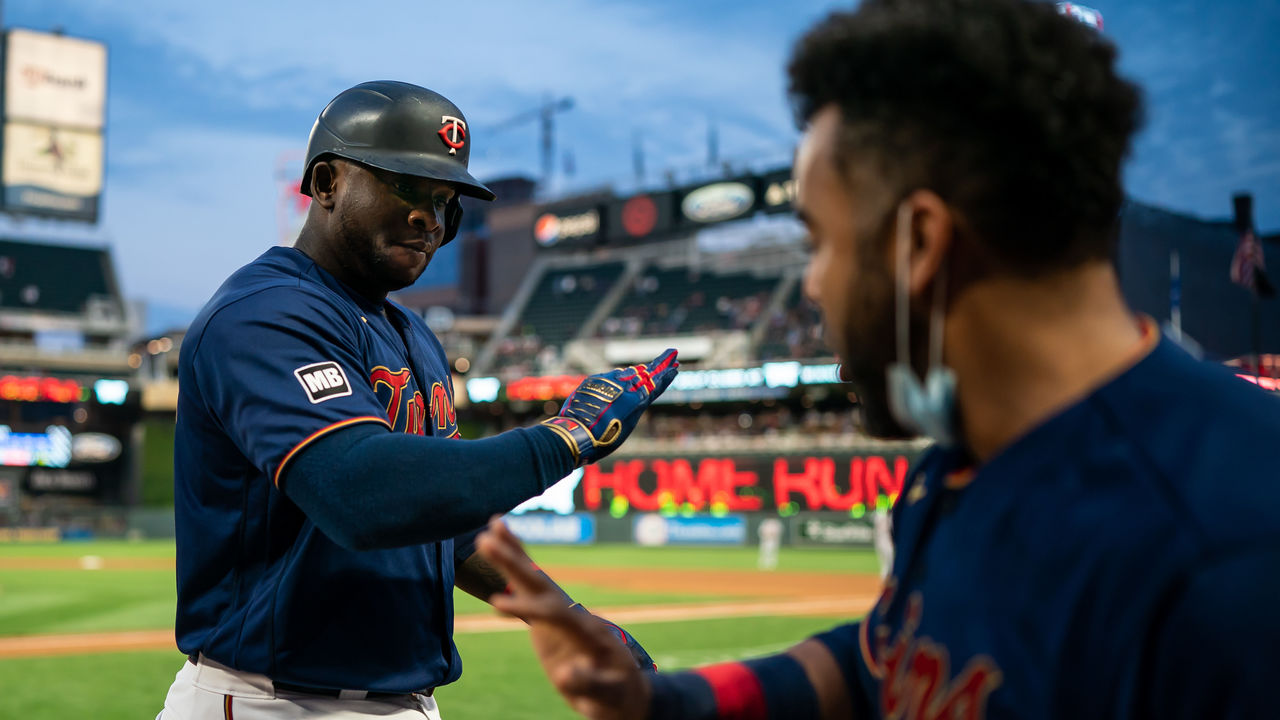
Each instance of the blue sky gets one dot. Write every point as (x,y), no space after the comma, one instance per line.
(206,100)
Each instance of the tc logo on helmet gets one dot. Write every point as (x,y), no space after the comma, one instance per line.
(454,132)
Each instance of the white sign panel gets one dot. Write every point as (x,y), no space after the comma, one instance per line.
(52,170)
(55,79)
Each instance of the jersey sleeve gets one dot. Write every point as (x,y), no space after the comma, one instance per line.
(768,688)
(279,369)
(1214,653)
(851,649)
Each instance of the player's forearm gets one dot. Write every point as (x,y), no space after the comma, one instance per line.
(368,488)
(479,578)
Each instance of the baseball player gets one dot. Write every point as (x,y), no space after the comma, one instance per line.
(1097,532)
(325,507)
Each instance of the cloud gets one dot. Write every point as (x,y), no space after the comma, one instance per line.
(628,66)
(180,228)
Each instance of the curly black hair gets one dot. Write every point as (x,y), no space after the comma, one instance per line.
(1009,111)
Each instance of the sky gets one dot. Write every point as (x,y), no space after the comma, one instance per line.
(209,104)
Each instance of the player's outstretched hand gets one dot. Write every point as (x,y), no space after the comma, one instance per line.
(594,672)
(638,653)
(605,407)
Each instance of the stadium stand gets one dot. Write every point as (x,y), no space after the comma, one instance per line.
(794,331)
(685,300)
(555,313)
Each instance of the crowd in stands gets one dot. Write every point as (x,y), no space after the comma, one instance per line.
(660,301)
(554,314)
(764,423)
(753,428)
(794,331)
(684,301)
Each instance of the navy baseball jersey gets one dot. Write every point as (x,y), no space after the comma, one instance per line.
(1056,580)
(282,355)
(1120,560)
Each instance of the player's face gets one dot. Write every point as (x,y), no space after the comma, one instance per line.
(849,274)
(390,225)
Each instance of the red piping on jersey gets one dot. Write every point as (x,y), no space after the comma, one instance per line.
(865,647)
(1150,338)
(275,479)
(226,708)
(737,690)
(959,478)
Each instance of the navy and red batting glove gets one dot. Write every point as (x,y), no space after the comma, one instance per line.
(638,653)
(605,407)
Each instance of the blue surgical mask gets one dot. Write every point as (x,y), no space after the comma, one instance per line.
(928,408)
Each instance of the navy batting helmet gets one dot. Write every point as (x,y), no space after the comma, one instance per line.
(400,128)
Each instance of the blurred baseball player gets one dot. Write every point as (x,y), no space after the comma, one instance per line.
(1097,533)
(325,509)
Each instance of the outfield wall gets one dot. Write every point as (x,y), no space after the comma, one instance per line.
(817,498)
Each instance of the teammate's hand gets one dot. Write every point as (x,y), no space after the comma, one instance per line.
(582,657)
(638,653)
(605,408)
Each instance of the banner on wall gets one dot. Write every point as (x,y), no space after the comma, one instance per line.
(538,528)
(652,530)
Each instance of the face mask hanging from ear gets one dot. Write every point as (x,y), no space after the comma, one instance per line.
(928,409)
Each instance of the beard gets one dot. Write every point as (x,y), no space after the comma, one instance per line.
(869,346)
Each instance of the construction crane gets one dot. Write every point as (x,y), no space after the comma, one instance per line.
(546,114)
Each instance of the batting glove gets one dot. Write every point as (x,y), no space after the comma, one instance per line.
(605,408)
(638,653)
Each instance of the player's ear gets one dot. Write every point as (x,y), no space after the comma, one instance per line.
(932,235)
(324,183)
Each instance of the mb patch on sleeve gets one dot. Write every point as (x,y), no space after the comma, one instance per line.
(323,381)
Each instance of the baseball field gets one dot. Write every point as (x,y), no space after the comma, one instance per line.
(86,628)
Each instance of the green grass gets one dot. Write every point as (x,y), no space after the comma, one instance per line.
(63,601)
(107,686)
(592,597)
(102,548)
(500,678)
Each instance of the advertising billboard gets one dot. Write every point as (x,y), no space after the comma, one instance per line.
(51,170)
(55,92)
(717,202)
(640,218)
(778,191)
(55,79)
(568,226)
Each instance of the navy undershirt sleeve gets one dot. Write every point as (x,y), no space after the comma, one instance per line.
(367,487)
(842,642)
(464,545)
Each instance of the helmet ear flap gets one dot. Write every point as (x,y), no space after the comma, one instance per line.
(452,220)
